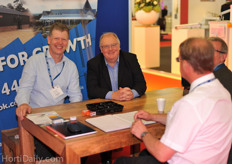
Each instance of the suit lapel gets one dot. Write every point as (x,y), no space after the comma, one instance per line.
(121,67)
(105,73)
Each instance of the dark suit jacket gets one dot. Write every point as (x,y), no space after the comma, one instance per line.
(225,7)
(224,75)
(129,75)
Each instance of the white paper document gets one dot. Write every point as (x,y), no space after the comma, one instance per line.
(42,118)
(109,123)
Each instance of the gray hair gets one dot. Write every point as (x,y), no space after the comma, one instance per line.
(107,34)
(224,47)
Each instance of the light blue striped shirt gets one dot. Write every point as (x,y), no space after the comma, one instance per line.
(113,72)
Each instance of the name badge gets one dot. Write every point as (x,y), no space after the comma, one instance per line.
(56,92)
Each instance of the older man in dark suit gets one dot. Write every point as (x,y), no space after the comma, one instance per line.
(221,71)
(114,74)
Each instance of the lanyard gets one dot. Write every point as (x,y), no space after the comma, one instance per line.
(49,71)
(219,66)
(208,81)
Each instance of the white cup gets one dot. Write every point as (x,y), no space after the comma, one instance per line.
(161,104)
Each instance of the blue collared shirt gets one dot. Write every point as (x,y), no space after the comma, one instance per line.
(35,85)
(113,72)
(217,67)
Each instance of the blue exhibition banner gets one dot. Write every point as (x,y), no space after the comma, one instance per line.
(15,54)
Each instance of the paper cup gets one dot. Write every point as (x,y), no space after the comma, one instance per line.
(161,104)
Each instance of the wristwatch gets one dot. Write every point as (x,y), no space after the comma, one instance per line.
(143,134)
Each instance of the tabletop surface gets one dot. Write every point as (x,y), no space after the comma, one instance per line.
(101,141)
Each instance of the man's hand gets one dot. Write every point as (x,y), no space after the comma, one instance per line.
(161,118)
(143,115)
(123,94)
(138,128)
(22,110)
(126,94)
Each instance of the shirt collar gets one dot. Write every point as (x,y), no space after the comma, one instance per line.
(201,80)
(50,58)
(218,66)
(116,61)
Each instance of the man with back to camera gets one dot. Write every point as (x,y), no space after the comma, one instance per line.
(221,71)
(198,127)
(48,78)
(114,74)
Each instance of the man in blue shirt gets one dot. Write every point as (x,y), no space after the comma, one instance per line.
(48,77)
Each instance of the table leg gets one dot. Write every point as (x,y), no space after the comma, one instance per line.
(7,153)
(135,149)
(72,157)
(26,145)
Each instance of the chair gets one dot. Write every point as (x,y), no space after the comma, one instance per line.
(230,157)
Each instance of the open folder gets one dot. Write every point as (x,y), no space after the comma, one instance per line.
(113,122)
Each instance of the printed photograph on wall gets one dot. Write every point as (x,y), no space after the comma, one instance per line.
(26,18)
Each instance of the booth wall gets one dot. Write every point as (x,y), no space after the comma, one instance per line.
(199,10)
(112,16)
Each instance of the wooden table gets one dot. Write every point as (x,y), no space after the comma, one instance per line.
(10,146)
(72,149)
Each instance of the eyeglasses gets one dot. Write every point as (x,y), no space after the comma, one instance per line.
(221,52)
(106,47)
(177,59)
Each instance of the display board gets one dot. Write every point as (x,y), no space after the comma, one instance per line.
(23,33)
